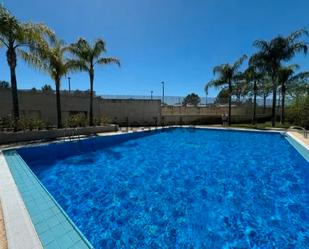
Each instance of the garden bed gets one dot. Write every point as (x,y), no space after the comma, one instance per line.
(23,136)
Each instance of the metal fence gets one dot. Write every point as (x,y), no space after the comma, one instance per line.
(178,100)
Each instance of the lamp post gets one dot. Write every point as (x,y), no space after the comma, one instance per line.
(69,80)
(151,92)
(162,82)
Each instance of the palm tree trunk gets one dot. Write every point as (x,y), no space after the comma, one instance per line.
(58,102)
(91,74)
(264,103)
(254,103)
(283,104)
(230,103)
(12,61)
(273,111)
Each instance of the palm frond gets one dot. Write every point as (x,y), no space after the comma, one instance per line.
(218,83)
(302,76)
(261,44)
(98,48)
(34,60)
(109,60)
(81,49)
(236,65)
(219,70)
(77,66)
(297,34)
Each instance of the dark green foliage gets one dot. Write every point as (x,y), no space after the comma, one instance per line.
(47,89)
(25,123)
(223,96)
(191,99)
(76,120)
(298,112)
(4,84)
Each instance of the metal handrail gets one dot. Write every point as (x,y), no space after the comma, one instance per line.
(305,132)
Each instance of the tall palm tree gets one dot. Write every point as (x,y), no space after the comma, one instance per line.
(50,58)
(276,51)
(17,36)
(254,75)
(288,77)
(87,56)
(228,74)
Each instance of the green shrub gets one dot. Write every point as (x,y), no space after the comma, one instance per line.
(6,123)
(101,121)
(76,120)
(25,123)
(298,112)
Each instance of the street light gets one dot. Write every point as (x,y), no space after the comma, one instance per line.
(69,79)
(151,94)
(162,82)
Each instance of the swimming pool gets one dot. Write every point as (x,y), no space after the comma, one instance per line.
(180,188)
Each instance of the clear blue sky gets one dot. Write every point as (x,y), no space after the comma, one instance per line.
(178,41)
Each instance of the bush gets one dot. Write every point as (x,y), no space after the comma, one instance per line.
(101,121)
(7,123)
(76,120)
(298,112)
(25,123)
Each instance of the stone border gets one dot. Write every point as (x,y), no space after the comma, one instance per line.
(20,232)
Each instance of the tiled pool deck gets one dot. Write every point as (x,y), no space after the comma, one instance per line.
(52,227)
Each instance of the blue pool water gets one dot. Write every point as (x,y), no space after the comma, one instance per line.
(181,188)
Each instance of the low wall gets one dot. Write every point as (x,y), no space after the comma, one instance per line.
(21,136)
(209,119)
(244,109)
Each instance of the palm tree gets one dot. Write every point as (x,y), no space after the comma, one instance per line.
(276,51)
(287,77)
(206,88)
(265,90)
(16,36)
(252,77)
(86,57)
(228,74)
(50,58)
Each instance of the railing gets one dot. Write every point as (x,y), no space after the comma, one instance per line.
(305,132)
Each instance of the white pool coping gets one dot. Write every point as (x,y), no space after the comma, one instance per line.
(306,146)
(20,231)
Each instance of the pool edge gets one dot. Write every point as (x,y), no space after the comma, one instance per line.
(16,217)
(85,243)
(295,139)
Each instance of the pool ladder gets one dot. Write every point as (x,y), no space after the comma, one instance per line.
(305,132)
(71,134)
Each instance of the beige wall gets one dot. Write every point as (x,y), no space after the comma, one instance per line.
(37,104)
(119,111)
(208,115)
(210,110)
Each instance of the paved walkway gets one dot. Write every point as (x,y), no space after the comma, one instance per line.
(300,136)
(3,243)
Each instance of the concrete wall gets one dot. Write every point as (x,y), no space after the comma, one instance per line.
(119,111)
(133,112)
(210,114)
